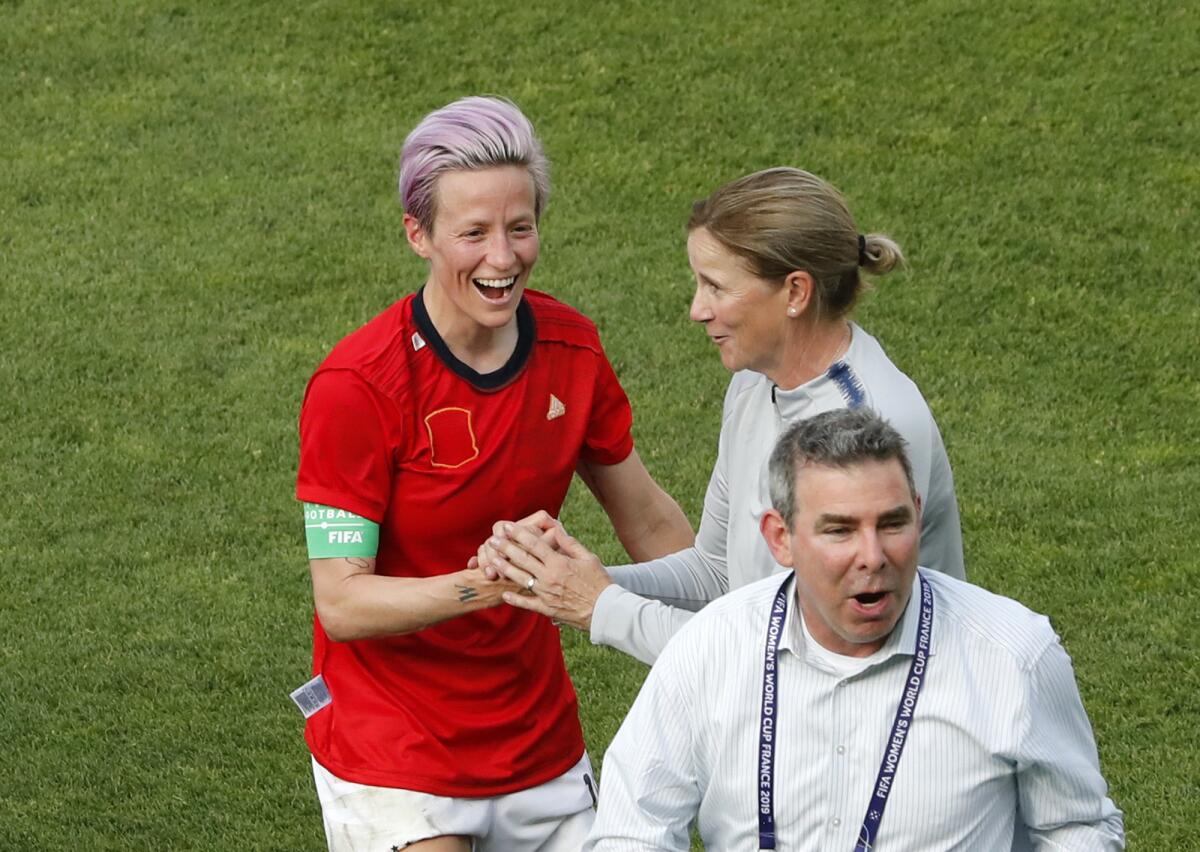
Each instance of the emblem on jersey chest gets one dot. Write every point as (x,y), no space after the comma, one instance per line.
(451,437)
(557,409)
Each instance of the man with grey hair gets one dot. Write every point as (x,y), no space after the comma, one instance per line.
(858,702)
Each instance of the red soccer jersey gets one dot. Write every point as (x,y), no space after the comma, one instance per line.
(396,429)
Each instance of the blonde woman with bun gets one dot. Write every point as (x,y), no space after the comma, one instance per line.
(778,261)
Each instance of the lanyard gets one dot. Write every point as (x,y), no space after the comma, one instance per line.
(768,725)
(766,728)
(900,725)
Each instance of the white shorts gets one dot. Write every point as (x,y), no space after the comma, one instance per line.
(552,817)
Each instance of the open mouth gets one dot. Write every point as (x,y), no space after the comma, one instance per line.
(872,604)
(495,289)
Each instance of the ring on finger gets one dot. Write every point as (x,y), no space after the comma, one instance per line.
(529,584)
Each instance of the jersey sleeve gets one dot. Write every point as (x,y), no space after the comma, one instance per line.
(346,443)
(609,437)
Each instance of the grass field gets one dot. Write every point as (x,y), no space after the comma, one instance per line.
(197,201)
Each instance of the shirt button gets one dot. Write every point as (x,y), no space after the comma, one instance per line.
(836,822)
(841,749)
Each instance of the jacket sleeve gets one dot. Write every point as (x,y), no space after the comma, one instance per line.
(941,529)
(656,598)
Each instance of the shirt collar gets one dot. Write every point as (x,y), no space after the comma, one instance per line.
(792,638)
(793,404)
(904,637)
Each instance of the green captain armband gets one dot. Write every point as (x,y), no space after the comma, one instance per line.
(335,533)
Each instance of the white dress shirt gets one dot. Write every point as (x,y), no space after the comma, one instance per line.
(998,723)
(652,600)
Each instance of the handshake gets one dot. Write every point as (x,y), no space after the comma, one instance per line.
(558,576)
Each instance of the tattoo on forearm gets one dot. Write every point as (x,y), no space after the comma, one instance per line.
(361,564)
(466,593)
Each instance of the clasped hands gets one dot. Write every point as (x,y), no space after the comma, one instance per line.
(566,576)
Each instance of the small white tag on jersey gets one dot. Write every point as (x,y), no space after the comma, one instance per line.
(417,342)
(312,696)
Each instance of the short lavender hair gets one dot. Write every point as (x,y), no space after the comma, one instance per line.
(471,133)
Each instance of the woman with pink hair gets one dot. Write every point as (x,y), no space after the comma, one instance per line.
(438,720)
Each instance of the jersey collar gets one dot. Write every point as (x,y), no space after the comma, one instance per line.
(526,334)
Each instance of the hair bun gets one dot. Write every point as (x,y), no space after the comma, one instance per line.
(878,254)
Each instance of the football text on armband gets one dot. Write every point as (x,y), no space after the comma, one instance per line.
(335,533)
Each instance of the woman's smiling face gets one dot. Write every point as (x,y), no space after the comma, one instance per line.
(484,241)
(746,316)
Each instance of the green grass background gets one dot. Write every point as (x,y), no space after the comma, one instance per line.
(197,201)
